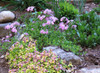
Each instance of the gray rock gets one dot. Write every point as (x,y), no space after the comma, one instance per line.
(6,16)
(50,48)
(90,69)
(3,31)
(68,56)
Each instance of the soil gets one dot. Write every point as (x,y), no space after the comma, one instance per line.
(92,57)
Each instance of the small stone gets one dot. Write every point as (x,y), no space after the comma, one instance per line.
(2,56)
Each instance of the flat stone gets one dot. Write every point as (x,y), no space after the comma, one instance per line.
(90,69)
(50,48)
(67,56)
(58,51)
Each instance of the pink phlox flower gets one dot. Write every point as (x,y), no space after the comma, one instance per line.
(14,30)
(32,29)
(48,11)
(62,19)
(54,19)
(7,36)
(16,23)
(44,32)
(74,26)
(44,24)
(67,21)
(62,26)
(30,8)
(7,27)
(41,17)
(48,22)
(66,27)
(33,21)
(26,33)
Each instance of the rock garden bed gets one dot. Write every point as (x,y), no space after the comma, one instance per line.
(82,62)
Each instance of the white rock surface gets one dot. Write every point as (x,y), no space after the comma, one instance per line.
(68,56)
(6,16)
(90,69)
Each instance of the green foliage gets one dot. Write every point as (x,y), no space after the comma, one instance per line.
(67,10)
(23,4)
(96,1)
(54,37)
(97,9)
(88,30)
(23,58)
(6,45)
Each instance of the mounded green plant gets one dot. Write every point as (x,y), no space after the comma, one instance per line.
(68,10)
(23,58)
(87,31)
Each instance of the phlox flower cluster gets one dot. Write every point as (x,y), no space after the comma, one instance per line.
(12,26)
(49,20)
(48,11)
(63,26)
(31,8)
(44,32)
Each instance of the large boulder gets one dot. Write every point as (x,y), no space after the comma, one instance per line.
(6,16)
(67,56)
(90,69)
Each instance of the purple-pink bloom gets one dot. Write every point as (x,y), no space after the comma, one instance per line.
(66,27)
(32,29)
(74,26)
(48,11)
(26,33)
(62,19)
(53,18)
(33,21)
(30,8)
(44,32)
(44,24)
(7,36)
(14,30)
(42,17)
(7,27)
(16,23)
(62,26)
